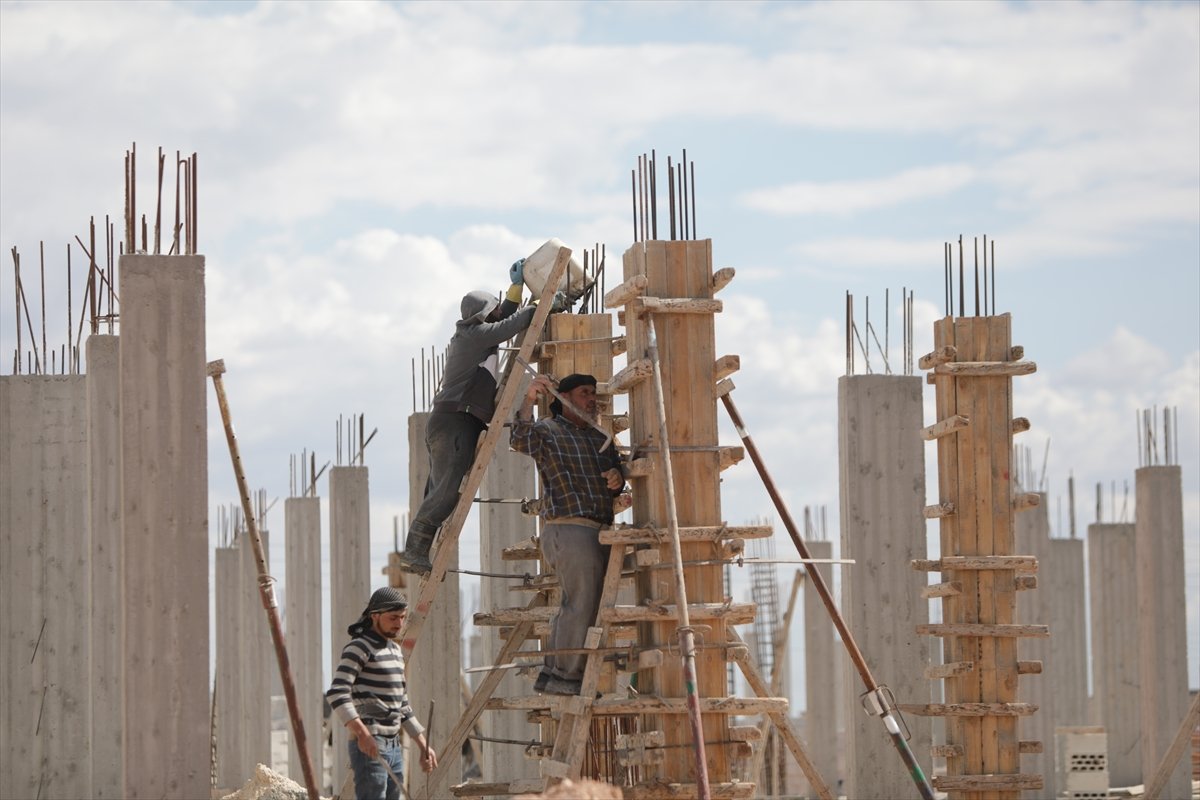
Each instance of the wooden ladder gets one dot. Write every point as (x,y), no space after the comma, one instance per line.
(447,540)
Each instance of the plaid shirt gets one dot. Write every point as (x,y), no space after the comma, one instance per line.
(569,460)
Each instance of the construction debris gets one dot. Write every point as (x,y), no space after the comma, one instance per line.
(267,784)
(577,790)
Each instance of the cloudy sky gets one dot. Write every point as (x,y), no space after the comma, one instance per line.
(362,165)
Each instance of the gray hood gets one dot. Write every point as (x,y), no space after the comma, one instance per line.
(477,305)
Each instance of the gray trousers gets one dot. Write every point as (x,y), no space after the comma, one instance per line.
(579,560)
(451,438)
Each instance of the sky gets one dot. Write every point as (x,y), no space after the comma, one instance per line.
(362,165)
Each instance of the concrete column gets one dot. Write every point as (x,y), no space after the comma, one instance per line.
(1162,620)
(164,489)
(257,662)
(1112,570)
(232,769)
(1031,531)
(435,668)
(821,675)
(882,471)
(45,713)
(510,475)
(104,521)
(1069,642)
(302,575)
(349,577)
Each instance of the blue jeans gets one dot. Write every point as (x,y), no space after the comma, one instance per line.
(451,438)
(371,780)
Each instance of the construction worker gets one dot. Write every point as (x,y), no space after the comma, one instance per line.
(579,485)
(463,407)
(369,695)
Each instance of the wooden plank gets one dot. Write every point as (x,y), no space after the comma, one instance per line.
(721,278)
(941,355)
(949,670)
(945,427)
(730,613)
(968,709)
(947,589)
(726,366)
(627,378)
(691,533)
(987,783)
(624,292)
(986,369)
(675,305)
(948,563)
(447,544)
(981,629)
(938,510)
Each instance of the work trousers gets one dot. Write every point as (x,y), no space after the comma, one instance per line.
(371,779)
(450,438)
(576,556)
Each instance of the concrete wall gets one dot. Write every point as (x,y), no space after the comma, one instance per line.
(258,663)
(164,469)
(302,619)
(232,769)
(1162,622)
(45,715)
(104,522)
(434,669)
(882,487)
(1068,644)
(822,677)
(349,577)
(1112,571)
(510,475)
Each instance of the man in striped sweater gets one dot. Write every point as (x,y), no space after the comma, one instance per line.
(370,697)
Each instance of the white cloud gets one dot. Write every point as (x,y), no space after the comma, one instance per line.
(850,197)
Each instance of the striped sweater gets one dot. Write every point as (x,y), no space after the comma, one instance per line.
(368,684)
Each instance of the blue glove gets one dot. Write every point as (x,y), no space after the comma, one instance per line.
(516,273)
(559,304)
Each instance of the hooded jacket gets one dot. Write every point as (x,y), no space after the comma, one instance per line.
(472,357)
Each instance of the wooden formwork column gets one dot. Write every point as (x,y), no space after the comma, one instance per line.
(679,270)
(973,364)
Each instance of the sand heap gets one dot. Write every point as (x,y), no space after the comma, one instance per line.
(268,784)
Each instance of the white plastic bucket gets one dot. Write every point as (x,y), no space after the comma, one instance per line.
(537,270)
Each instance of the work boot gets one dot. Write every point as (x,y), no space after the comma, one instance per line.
(415,558)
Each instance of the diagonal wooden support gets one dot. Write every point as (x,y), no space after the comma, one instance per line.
(447,539)
(782,723)
(570,740)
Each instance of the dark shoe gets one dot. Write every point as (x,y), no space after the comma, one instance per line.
(416,563)
(563,686)
(539,685)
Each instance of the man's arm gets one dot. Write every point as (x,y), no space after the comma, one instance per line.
(524,436)
(341,700)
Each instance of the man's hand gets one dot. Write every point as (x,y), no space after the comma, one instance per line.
(366,741)
(613,478)
(516,273)
(538,386)
(428,756)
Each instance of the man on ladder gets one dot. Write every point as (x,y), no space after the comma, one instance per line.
(463,406)
(581,478)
